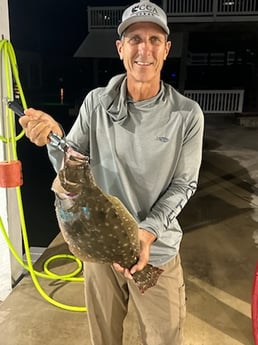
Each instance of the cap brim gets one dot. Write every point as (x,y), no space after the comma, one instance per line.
(133,20)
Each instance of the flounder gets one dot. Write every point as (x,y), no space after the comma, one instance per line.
(97,226)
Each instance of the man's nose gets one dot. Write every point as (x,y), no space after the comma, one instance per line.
(145,47)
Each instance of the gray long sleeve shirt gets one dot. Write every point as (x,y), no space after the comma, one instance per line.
(147,153)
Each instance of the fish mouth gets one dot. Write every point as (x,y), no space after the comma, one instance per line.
(76,161)
(72,176)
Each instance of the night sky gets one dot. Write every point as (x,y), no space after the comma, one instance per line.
(52,26)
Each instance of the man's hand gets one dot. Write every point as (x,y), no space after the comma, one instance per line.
(38,125)
(146,240)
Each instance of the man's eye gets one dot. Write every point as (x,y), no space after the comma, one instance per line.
(155,40)
(135,40)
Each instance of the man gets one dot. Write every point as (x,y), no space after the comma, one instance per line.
(145,143)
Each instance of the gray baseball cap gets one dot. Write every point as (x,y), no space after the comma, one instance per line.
(143,11)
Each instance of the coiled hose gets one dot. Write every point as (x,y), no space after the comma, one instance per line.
(10,139)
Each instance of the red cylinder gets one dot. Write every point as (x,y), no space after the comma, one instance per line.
(11,174)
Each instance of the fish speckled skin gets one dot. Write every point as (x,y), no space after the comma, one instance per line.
(96,225)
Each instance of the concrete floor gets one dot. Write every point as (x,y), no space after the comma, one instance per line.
(219,253)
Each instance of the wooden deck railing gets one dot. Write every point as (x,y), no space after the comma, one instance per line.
(211,7)
(218,101)
(108,17)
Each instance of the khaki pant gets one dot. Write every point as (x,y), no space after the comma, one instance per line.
(160,310)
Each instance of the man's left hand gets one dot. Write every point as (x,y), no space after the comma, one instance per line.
(146,239)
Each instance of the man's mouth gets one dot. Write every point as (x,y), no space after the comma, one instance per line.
(140,63)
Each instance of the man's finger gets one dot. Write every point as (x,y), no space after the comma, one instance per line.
(127,274)
(117,267)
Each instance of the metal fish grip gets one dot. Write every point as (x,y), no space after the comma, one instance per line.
(55,139)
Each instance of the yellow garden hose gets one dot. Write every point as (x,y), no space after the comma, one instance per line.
(10,139)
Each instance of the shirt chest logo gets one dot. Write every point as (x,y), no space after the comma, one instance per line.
(162,139)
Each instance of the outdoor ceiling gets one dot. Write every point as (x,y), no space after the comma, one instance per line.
(101,44)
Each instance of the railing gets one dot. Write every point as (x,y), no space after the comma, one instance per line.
(104,17)
(189,7)
(227,7)
(211,7)
(108,17)
(225,58)
(218,101)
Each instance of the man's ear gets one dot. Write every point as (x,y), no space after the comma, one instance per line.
(119,46)
(167,50)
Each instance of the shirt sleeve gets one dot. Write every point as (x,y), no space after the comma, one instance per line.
(184,181)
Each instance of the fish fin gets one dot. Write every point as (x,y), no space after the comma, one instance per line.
(147,277)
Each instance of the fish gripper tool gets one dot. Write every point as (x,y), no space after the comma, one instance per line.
(55,139)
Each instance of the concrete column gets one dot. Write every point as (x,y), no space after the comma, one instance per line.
(10,270)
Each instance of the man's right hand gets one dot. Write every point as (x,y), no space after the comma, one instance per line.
(38,125)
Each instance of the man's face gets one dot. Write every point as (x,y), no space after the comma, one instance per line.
(143,49)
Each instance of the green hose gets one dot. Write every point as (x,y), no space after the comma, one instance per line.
(10,65)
